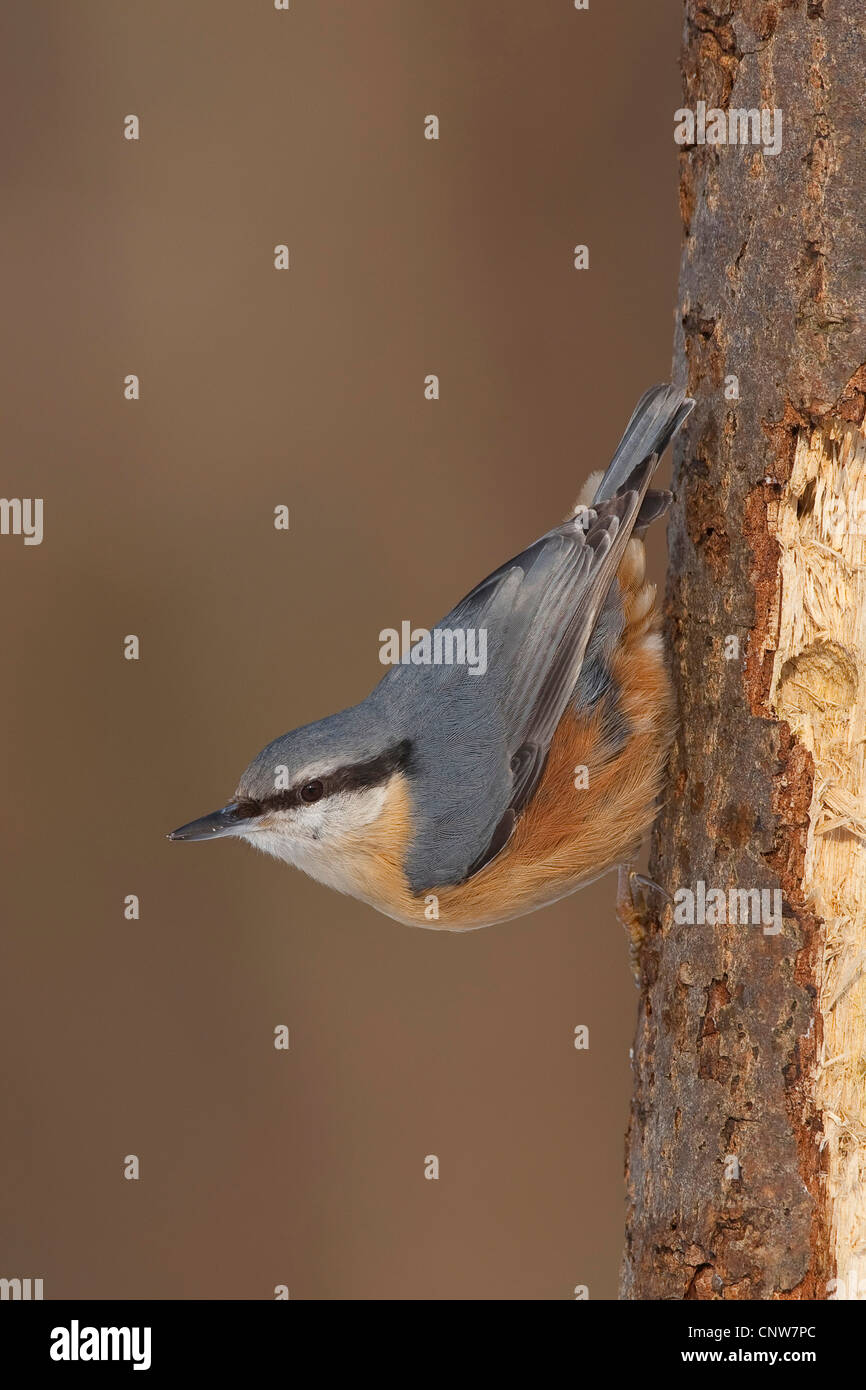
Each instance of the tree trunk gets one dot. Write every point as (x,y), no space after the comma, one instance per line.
(746,1155)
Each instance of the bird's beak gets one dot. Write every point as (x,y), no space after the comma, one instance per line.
(222,822)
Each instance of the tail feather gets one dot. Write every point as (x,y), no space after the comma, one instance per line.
(653,506)
(655,420)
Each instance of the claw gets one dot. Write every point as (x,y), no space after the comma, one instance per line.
(649,884)
(632,908)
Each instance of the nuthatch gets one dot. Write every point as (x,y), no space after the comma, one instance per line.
(453,798)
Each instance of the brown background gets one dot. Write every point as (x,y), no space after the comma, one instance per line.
(305,388)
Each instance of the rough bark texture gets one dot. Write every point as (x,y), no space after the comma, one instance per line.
(766,789)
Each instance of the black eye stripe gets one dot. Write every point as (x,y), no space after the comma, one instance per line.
(353,777)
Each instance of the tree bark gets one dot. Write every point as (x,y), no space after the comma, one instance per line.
(746,1153)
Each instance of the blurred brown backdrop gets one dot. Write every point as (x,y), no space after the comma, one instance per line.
(409,257)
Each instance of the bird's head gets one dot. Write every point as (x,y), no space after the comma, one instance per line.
(318,797)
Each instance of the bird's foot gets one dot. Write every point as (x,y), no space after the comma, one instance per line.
(633,891)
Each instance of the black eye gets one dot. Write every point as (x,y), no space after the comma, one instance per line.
(311,791)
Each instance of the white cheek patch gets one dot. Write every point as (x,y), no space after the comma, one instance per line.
(307,821)
(269,842)
(315,837)
(357,809)
(328,822)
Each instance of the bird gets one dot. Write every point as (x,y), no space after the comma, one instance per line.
(454,798)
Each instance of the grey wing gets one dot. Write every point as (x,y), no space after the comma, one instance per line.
(480,742)
(566,577)
(483,740)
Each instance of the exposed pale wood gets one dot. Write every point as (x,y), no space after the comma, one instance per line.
(819,687)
